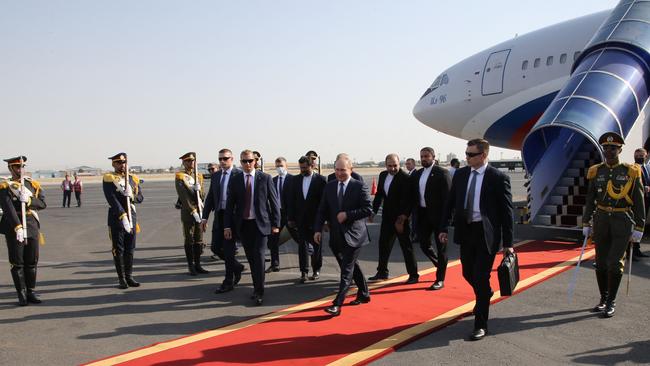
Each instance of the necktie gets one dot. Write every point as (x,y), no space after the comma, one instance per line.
(469,205)
(280,185)
(248,195)
(223,179)
(340,196)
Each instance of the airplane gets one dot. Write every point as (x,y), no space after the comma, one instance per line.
(551,94)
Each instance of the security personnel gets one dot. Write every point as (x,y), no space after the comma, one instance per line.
(122,231)
(615,203)
(187,188)
(23,251)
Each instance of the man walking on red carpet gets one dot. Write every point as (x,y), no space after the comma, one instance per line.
(345,205)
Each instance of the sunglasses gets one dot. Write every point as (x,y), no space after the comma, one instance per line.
(247,161)
(471,154)
(225,159)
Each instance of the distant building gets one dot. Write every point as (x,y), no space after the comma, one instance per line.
(136,168)
(86,171)
(450,156)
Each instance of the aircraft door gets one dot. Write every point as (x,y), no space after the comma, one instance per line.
(493,72)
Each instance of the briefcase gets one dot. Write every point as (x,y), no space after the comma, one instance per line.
(508,272)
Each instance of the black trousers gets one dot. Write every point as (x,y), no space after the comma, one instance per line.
(426,230)
(477,265)
(347,257)
(305,254)
(66,198)
(217,243)
(23,257)
(77,196)
(387,235)
(123,242)
(254,243)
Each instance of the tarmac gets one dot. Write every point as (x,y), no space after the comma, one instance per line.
(84,316)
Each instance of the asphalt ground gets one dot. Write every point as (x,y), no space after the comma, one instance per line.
(85,317)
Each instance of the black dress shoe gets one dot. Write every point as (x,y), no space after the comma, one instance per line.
(201,270)
(378,277)
(610,309)
(478,334)
(436,286)
(315,276)
(360,300)
(333,310)
(259,300)
(132,283)
(412,279)
(272,269)
(303,278)
(238,275)
(33,297)
(223,289)
(22,298)
(602,304)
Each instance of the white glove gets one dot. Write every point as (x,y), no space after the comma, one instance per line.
(586,231)
(25,195)
(20,235)
(126,224)
(128,191)
(636,236)
(196,187)
(196,216)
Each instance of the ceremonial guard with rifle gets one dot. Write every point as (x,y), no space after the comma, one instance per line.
(122,190)
(614,216)
(189,186)
(20,199)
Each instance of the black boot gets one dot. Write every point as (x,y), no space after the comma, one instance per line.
(30,282)
(128,270)
(18,276)
(190,260)
(613,282)
(601,278)
(119,268)
(636,251)
(197,250)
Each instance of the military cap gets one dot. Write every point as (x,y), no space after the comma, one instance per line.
(188,156)
(311,153)
(16,160)
(118,157)
(611,138)
(257,154)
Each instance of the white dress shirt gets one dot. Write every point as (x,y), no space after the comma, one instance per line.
(387,182)
(252,182)
(224,187)
(476,206)
(426,172)
(306,181)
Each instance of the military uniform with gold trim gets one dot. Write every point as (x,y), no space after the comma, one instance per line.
(23,255)
(614,209)
(123,241)
(186,187)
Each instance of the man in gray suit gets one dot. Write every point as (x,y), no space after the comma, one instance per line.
(345,205)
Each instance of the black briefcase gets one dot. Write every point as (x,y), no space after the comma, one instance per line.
(508,272)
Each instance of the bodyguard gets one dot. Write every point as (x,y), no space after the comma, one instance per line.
(121,230)
(614,216)
(22,249)
(191,196)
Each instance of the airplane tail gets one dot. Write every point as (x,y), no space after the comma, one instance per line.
(608,91)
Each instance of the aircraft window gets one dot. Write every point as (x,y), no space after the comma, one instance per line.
(536,63)
(524,65)
(445,80)
(436,83)
(576,55)
(549,61)
(563,58)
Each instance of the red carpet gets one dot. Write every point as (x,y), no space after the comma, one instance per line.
(396,315)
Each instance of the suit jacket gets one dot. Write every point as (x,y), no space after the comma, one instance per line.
(265,198)
(435,195)
(495,205)
(357,206)
(354,175)
(303,210)
(213,199)
(393,199)
(284,195)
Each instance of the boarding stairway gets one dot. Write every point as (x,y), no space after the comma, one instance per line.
(565,205)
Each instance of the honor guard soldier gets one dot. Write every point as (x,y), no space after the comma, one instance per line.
(615,203)
(22,244)
(122,228)
(191,196)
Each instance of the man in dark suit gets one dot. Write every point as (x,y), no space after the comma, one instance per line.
(306,195)
(345,205)
(283,185)
(640,156)
(392,191)
(252,214)
(481,203)
(429,187)
(216,201)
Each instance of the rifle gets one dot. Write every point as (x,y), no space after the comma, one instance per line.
(199,204)
(23,207)
(128,198)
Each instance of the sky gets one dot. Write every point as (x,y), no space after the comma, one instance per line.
(83,80)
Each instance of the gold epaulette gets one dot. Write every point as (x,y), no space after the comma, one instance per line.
(36,185)
(4,185)
(633,170)
(110,177)
(180,175)
(136,179)
(591,173)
